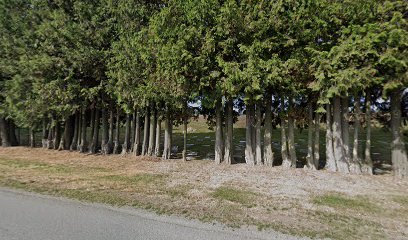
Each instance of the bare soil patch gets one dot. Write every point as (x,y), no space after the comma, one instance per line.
(301,202)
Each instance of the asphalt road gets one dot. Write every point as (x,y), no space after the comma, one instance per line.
(32,216)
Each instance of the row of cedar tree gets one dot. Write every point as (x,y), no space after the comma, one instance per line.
(71,65)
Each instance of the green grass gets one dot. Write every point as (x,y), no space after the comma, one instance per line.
(78,194)
(403,200)
(234,195)
(341,202)
(26,164)
(139,179)
(94,196)
(47,167)
(330,225)
(345,227)
(178,191)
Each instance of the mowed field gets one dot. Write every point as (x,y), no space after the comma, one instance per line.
(300,202)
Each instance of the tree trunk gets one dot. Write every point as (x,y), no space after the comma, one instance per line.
(158,131)
(353,167)
(5,137)
(330,159)
(83,146)
(249,150)
(398,151)
(132,132)
(126,143)
(268,152)
(316,149)
(67,135)
(311,163)
(338,144)
(345,127)
(356,157)
(167,136)
(355,163)
(218,132)
(105,132)
(108,147)
(44,133)
(61,145)
(136,144)
(57,135)
(116,140)
(258,142)
(253,131)
(291,141)
(74,142)
(229,149)
(92,126)
(184,154)
(152,132)
(32,137)
(95,138)
(368,163)
(50,142)
(286,163)
(170,142)
(79,131)
(146,132)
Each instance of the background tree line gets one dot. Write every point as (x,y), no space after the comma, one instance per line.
(79,69)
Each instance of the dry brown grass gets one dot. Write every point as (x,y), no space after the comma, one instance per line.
(301,202)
